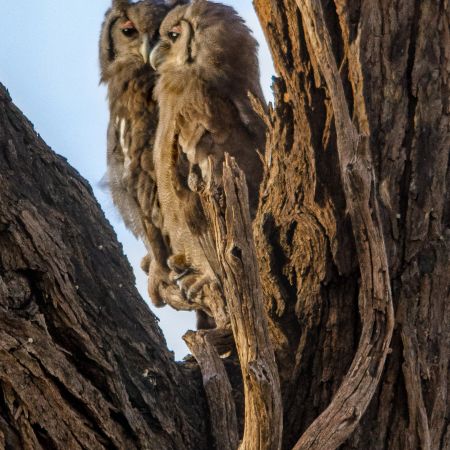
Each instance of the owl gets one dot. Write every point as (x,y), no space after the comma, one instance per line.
(207,66)
(128,33)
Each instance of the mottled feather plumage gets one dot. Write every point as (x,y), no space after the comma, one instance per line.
(207,65)
(132,126)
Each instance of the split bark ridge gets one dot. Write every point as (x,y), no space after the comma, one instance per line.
(341,417)
(222,409)
(233,256)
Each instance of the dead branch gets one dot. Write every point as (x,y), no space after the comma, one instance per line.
(237,267)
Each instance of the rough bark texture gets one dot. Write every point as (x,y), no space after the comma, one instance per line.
(219,393)
(394,63)
(234,258)
(83,364)
(360,187)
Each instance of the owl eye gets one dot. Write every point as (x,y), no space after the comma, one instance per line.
(174,33)
(128,32)
(128,29)
(173,36)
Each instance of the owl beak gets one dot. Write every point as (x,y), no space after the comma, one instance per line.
(145,48)
(156,56)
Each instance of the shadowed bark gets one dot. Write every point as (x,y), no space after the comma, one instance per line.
(393,60)
(83,363)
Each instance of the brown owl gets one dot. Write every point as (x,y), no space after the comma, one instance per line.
(128,33)
(207,65)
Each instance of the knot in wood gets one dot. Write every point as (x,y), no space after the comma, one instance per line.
(236,252)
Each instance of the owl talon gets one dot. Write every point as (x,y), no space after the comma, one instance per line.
(182,274)
(197,287)
(178,263)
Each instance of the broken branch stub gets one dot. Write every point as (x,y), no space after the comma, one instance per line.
(217,386)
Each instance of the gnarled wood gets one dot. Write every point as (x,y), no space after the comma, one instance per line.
(342,416)
(227,210)
(217,386)
(393,60)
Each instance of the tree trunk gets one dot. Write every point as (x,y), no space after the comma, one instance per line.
(361,86)
(393,59)
(83,363)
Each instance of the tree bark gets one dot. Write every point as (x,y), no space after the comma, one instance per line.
(227,211)
(83,363)
(393,59)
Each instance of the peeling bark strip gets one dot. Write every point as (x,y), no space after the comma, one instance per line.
(237,263)
(342,416)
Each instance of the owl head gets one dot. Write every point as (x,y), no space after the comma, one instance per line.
(209,41)
(128,33)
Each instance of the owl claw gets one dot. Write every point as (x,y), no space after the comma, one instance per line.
(197,287)
(179,276)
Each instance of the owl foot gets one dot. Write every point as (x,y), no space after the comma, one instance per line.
(173,297)
(195,288)
(199,288)
(178,264)
(181,275)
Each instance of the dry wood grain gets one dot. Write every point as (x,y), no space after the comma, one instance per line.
(393,62)
(217,386)
(351,400)
(227,210)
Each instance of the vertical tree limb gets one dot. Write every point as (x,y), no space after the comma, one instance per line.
(342,416)
(238,268)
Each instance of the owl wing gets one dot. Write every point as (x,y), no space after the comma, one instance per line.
(224,125)
(131,180)
(219,127)
(118,184)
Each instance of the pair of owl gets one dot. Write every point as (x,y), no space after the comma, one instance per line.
(179,76)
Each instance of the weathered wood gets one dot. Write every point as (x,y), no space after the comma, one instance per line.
(227,210)
(217,386)
(393,59)
(83,363)
(351,400)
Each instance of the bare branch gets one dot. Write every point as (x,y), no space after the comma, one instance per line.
(238,266)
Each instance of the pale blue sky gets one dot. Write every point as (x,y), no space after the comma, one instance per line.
(49,63)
